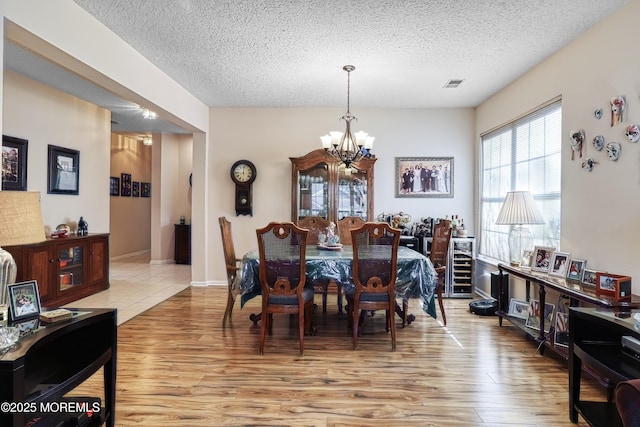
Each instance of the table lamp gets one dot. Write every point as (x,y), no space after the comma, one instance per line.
(519,209)
(20,224)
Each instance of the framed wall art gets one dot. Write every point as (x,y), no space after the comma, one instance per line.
(125,184)
(24,300)
(424,177)
(135,189)
(541,258)
(145,189)
(14,163)
(114,186)
(64,171)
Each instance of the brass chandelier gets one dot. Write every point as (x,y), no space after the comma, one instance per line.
(348,147)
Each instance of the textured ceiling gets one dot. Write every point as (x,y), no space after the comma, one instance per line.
(290,53)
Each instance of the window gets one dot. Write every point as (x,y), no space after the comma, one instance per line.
(522,155)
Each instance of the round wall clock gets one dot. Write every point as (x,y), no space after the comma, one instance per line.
(243,173)
(613,150)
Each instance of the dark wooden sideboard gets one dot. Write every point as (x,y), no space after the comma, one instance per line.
(595,342)
(577,293)
(50,361)
(65,269)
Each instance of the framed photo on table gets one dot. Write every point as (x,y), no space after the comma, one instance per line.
(424,177)
(559,264)
(519,309)
(541,258)
(614,284)
(14,163)
(64,171)
(589,277)
(576,268)
(533,315)
(24,300)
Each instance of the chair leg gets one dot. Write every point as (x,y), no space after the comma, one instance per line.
(441,303)
(263,330)
(301,327)
(229,310)
(356,318)
(392,324)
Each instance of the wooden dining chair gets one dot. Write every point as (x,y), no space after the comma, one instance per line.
(316,225)
(375,261)
(345,225)
(232,265)
(282,251)
(438,255)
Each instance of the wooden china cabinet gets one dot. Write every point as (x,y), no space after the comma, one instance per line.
(320,186)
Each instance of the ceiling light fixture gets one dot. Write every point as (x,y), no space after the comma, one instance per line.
(148,114)
(344,146)
(146,140)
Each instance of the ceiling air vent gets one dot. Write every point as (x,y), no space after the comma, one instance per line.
(453,83)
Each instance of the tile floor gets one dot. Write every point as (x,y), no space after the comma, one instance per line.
(136,286)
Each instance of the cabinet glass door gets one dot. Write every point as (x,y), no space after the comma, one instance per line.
(313,192)
(71,267)
(352,193)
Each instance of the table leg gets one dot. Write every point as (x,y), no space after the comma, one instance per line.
(403,312)
(541,336)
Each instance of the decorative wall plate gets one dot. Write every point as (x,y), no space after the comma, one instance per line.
(632,133)
(598,113)
(598,142)
(613,150)
(588,164)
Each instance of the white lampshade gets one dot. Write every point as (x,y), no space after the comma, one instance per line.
(519,209)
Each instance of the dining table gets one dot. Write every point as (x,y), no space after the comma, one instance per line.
(416,277)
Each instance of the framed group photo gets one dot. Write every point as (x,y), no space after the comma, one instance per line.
(14,163)
(589,277)
(424,177)
(64,171)
(24,300)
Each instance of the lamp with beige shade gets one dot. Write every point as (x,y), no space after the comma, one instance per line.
(20,224)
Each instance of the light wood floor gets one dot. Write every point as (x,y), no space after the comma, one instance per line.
(178,367)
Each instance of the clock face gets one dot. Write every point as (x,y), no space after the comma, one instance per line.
(243,172)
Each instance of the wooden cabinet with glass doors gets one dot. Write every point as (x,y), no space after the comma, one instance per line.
(320,186)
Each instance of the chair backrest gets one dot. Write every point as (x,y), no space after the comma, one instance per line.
(440,243)
(228,249)
(375,257)
(282,248)
(345,225)
(314,225)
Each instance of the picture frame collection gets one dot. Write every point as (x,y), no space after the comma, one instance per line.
(124,186)
(546,259)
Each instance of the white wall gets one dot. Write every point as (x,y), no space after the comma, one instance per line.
(599,209)
(269,136)
(44,116)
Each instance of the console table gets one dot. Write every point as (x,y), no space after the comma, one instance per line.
(577,293)
(594,340)
(50,361)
